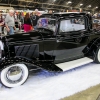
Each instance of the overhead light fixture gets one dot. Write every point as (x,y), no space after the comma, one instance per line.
(54,0)
(88,12)
(81,4)
(96,7)
(89,6)
(69,2)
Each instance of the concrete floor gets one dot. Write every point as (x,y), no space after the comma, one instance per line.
(92,93)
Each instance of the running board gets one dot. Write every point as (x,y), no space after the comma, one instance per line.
(73,64)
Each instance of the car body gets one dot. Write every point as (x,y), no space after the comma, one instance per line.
(60,37)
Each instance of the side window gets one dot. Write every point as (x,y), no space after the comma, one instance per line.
(48,23)
(43,22)
(72,24)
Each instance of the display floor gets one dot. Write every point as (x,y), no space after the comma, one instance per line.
(92,93)
(42,85)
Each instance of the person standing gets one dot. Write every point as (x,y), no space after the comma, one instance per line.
(50,11)
(27,23)
(35,18)
(1,23)
(10,22)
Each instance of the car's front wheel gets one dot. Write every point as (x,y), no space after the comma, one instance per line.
(97,55)
(14,75)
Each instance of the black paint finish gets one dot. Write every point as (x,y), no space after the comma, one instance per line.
(45,48)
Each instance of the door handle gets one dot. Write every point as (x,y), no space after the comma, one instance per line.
(58,41)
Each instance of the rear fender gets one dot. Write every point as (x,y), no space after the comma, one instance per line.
(91,48)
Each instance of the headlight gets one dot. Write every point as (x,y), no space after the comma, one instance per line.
(1,48)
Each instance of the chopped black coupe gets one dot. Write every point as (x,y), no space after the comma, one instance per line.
(66,38)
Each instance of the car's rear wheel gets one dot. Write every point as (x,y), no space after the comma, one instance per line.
(97,55)
(14,75)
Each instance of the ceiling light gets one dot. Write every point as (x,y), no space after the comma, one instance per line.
(89,6)
(54,0)
(88,12)
(69,2)
(81,4)
(96,7)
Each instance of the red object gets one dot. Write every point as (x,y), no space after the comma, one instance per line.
(27,28)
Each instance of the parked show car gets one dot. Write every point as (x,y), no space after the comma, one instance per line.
(66,38)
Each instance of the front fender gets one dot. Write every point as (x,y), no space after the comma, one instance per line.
(8,61)
(35,63)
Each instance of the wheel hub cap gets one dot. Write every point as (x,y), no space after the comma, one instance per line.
(14,74)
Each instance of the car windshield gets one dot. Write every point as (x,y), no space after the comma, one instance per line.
(48,23)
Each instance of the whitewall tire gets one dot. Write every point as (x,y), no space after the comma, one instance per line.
(14,75)
(97,55)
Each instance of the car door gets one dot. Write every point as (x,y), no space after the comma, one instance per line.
(70,41)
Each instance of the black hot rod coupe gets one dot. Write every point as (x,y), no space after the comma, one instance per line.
(66,38)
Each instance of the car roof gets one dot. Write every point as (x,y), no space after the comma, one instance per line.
(62,14)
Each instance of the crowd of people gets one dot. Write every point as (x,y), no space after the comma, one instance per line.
(20,20)
(26,22)
(96,15)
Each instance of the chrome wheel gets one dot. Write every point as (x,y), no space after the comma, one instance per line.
(14,75)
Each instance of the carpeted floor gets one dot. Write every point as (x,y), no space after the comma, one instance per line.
(92,93)
(43,85)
